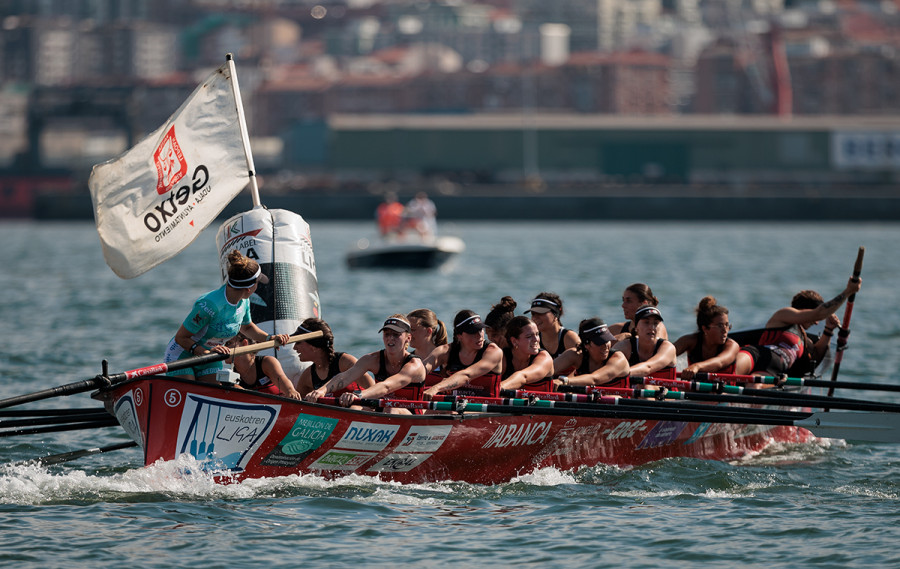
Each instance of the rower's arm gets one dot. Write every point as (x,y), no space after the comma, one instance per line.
(616,367)
(664,357)
(412,372)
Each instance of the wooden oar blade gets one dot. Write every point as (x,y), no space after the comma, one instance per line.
(868,427)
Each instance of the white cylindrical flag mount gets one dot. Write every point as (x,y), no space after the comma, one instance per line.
(279,240)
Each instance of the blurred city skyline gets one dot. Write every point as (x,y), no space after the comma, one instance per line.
(81,81)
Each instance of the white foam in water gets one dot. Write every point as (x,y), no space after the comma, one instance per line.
(549,476)
(784,453)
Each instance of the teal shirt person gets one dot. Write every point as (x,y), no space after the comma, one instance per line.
(217,316)
(214,320)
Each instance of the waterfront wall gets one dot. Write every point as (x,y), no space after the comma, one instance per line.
(855,205)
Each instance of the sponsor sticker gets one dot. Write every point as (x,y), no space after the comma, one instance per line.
(524,434)
(307,435)
(224,433)
(126,413)
(367,436)
(399,462)
(336,459)
(424,438)
(662,433)
(416,447)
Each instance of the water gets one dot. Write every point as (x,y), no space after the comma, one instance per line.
(829,504)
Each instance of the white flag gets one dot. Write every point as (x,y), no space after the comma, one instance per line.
(152,201)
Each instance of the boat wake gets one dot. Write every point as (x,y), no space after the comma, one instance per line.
(189,479)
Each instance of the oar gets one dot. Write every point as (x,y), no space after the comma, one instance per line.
(794,381)
(33,421)
(103,379)
(49,412)
(854,426)
(110,422)
(773,396)
(844,332)
(74,455)
(652,405)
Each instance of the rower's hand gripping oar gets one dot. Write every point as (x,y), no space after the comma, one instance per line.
(844,332)
(103,379)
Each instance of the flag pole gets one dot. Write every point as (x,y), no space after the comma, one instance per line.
(245,137)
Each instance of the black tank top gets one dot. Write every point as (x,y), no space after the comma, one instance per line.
(560,346)
(382,372)
(262,379)
(635,358)
(696,355)
(334,368)
(453,362)
(508,363)
(583,369)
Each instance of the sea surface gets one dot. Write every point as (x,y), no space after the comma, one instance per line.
(825,504)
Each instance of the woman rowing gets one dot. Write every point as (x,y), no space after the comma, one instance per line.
(709,349)
(395,370)
(497,319)
(325,361)
(427,332)
(634,297)
(546,311)
(647,353)
(593,360)
(785,341)
(259,373)
(524,361)
(466,358)
(217,316)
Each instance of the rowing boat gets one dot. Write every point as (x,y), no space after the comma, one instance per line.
(241,434)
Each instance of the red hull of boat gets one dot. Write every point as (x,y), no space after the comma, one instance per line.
(255,435)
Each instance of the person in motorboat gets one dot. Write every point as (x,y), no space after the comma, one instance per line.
(467,360)
(708,349)
(426,330)
(497,319)
(785,340)
(546,311)
(325,361)
(217,316)
(525,363)
(259,373)
(635,296)
(397,372)
(421,215)
(390,216)
(647,353)
(593,360)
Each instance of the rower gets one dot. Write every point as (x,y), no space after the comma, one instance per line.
(634,297)
(524,361)
(785,341)
(325,361)
(470,366)
(397,372)
(546,311)
(594,361)
(497,319)
(709,348)
(647,353)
